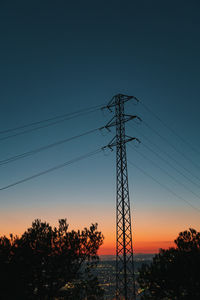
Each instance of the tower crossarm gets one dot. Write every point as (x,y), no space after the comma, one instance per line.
(114,142)
(126,118)
(123,98)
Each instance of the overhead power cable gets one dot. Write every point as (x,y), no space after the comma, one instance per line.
(52,119)
(170,164)
(168,127)
(69,117)
(32,152)
(164,171)
(52,169)
(165,187)
(164,152)
(178,151)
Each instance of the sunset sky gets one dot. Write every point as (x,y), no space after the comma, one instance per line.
(58,57)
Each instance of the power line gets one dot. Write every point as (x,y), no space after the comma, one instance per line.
(168,127)
(164,186)
(164,171)
(170,164)
(178,151)
(166,153)
(47,125)
(51,119)
(52,169)
(32,152)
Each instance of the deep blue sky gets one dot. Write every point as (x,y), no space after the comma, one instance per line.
(58,57)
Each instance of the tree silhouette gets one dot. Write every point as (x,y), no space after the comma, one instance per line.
(174,273)
(50,263)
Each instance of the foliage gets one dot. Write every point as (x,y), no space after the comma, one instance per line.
(174,274)
(50,263)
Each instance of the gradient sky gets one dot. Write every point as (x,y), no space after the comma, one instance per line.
(60,56)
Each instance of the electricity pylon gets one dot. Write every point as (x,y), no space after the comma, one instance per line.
(125,280)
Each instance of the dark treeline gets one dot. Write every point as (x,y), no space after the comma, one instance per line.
(174,274)
(54,263)
(50,263)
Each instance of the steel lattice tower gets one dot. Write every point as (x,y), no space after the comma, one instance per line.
(125,281)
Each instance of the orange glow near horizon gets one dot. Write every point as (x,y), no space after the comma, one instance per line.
(144,240)
(108,248)
(159,233)
(143,243)
(139,247)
